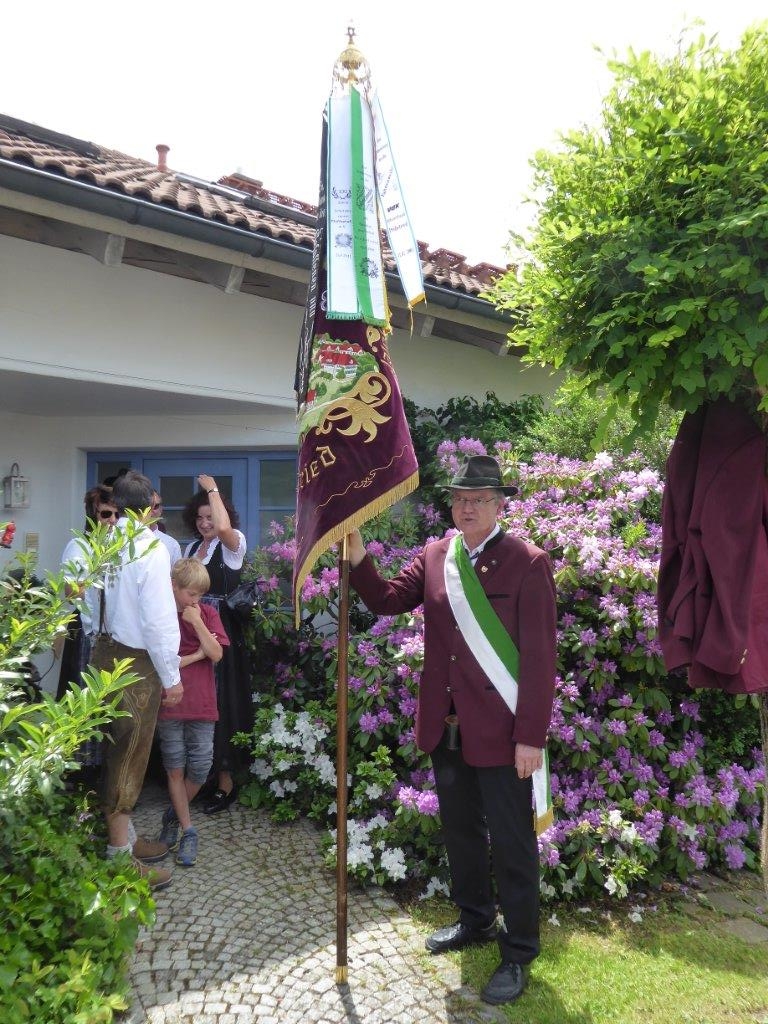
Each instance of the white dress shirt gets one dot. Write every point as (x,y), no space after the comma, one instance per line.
(476,552)
(174,548)
(140,608)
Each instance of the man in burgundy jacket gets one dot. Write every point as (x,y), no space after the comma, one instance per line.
(484,788)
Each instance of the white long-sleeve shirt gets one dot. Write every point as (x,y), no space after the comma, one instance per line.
(174,548)
(140,610)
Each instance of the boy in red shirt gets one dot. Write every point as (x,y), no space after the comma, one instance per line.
(186,728)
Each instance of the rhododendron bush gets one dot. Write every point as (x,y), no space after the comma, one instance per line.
(636,797)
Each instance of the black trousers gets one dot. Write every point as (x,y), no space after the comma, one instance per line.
(487,819)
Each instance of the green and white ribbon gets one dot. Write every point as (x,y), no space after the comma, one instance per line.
(495,652)
(402,240)
(356,287)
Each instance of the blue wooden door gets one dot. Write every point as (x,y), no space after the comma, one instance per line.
(176,480)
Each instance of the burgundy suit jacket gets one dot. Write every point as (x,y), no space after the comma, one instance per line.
(517,579)
(713,573)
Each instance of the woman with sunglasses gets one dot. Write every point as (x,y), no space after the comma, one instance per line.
(77,643)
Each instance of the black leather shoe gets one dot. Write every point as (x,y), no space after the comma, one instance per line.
(457,936)
(220,801)
(506,985)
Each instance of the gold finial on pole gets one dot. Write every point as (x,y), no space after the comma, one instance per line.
(351,66)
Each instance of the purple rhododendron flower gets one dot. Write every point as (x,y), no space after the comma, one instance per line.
(735,856)
(427,803)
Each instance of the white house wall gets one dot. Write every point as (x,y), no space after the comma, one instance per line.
(65,316)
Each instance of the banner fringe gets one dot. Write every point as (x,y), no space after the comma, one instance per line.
(544,821)
(353,522)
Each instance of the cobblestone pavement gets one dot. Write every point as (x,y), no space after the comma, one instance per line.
(249,935)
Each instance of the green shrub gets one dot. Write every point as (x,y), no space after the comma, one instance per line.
(638,795)
(570,425)
(70,917)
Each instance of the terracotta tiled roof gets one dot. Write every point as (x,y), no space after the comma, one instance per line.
(233,200)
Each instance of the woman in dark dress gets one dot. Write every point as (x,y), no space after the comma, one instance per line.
(221,548)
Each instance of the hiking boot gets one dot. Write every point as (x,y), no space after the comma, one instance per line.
(187,855)
(149,851)
(157,878)
(170,831)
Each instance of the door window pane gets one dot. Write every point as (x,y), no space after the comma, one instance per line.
(176,490)
(278,483)
(108,468)
(266,518)
(175,527)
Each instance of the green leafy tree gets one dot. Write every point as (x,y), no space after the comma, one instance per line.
(646,272)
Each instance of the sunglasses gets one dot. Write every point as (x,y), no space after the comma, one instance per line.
(107,513)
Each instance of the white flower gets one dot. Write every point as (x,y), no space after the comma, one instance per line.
(373,791)
(629,834)
(325,769)
(602,461)
(359,855)
(614,818)
(393,862)
(615,887)
(277,788)
(553,920)
(290,785)
(434,886)
(260,768)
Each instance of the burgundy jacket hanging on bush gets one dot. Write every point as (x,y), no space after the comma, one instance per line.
(713,575)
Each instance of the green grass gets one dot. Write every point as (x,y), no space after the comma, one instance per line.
(601,968)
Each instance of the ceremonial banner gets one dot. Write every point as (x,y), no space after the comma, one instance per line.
(356,457)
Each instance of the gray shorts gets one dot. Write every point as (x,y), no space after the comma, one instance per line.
(187,744)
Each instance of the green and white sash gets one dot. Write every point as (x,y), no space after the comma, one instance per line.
(495,652)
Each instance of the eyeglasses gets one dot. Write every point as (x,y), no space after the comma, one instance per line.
(471,502)
(107,513)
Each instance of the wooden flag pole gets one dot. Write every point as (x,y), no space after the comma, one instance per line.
(341,766)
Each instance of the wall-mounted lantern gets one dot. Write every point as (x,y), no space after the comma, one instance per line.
(16,489)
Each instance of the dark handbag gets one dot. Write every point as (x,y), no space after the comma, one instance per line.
(243,599)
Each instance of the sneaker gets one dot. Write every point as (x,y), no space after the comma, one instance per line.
(169,833)
(157,878)
(187,855)
(149,851)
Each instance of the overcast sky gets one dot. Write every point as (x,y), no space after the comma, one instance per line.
(469,91)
